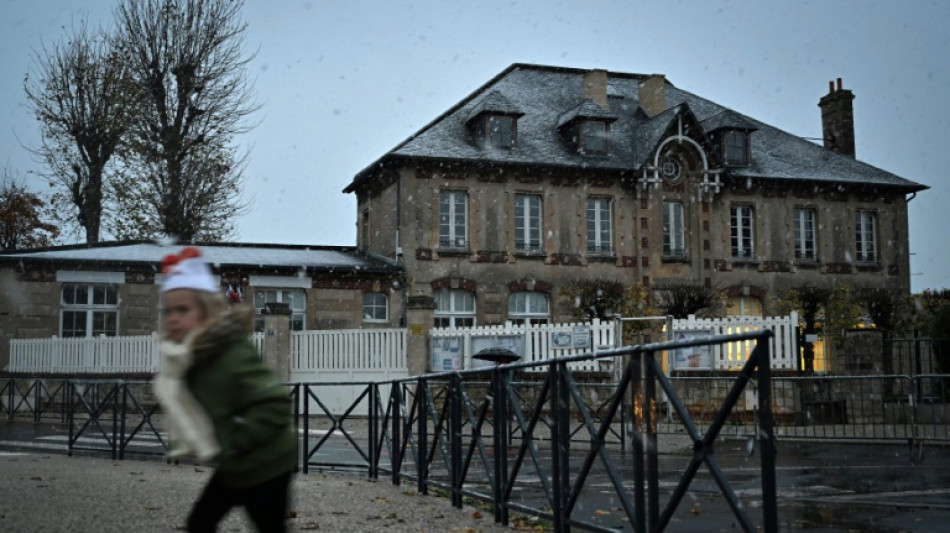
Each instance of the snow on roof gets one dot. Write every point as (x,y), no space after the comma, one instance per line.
(218,254)
(544,94)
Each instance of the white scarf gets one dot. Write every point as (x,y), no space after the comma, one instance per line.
(190,431)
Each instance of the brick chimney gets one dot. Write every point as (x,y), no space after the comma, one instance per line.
(595,87)
(652,95)
(837,119)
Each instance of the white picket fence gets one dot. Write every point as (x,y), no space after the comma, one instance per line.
(339,356)
(532,342)
(543,342)
(86,355)
(731,356)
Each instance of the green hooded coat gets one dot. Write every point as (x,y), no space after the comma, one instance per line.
(250,408)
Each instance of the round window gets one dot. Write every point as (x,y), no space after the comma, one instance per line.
(670,168)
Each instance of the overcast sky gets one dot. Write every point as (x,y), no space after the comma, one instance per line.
(341,83)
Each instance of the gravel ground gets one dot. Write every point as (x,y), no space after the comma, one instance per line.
(51,493)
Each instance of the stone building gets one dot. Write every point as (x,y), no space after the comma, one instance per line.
(112,288)
(545,175)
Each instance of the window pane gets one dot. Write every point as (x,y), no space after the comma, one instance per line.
(735,148)
(595,136)
(453,206)
(599,231)
(69,294)
(74,324)
(530,307)
(528,222)
(674,238)
(375,306)
(501,129)
(104,323)
(82,295)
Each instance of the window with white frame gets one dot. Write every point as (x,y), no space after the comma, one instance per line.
(865,228)
(599,229)
(375,307)
(742,219)
(501,131)
(454,308)
(453,219)
(528,308)
(594,136)
(89,310)
(735,147)
(805,239)
(296,298)
(674,233)
(528,222)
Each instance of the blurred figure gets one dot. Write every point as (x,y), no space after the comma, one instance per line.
(223,404)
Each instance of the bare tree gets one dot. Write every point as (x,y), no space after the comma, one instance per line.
(685,298)
(21,225)
(80,96)
(187,57)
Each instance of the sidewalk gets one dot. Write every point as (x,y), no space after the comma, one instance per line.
(48,492)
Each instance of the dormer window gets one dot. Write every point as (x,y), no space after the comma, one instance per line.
(730,131)
(586,128)
(735,148)
(493,122)
(501,131)
(594,137)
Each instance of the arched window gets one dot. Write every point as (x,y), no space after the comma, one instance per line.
(528,308)
(454,308)
(375,307)
(743,306)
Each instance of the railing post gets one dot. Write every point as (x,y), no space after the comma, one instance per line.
(638,395)
(500,435)
(124,392)
(396,455)
(70,418)
(305,395)
(649,428)
(373,430)
(37,399)
(422,447)
(10,408)
(766,436)
(455,430)
(560,446)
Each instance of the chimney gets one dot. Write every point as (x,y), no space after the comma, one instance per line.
(652,95)
(837,119)
(595,87)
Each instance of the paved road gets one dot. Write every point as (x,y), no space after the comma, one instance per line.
(822,487)
(52,493)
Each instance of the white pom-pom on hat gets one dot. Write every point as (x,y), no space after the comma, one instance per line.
(187,270)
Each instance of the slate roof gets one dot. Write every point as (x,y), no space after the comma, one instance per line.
(545,94)
(221,255)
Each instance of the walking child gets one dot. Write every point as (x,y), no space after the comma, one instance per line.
(223,404)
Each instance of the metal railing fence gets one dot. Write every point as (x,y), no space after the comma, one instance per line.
(531,442)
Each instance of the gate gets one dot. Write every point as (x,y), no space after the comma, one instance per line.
(338,363)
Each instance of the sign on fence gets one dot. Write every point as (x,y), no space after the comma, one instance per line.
(694,357)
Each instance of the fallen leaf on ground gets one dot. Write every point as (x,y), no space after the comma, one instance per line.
(477,514)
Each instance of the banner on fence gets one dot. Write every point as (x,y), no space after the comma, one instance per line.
(694,357)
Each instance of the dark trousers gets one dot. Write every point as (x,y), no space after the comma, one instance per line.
(266,504)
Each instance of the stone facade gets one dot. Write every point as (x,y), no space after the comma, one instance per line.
(33,293)
(648,124)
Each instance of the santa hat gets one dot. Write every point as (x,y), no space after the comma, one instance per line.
(187,270)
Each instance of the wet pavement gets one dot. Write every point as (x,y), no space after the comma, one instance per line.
(822,487)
